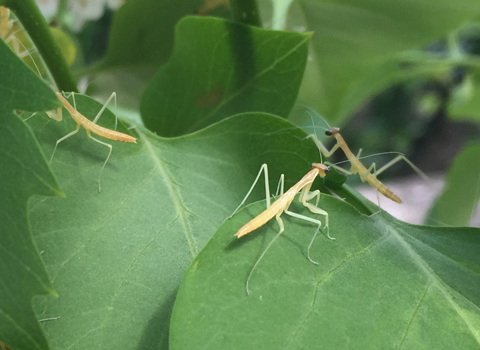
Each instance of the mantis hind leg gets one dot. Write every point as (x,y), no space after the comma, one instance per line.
(373,170)
(396,160)
(305,197)
(315,221)
(63,139)
(313,209)
(106,160)
(282,228)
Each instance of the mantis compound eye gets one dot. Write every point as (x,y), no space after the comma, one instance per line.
(332,131)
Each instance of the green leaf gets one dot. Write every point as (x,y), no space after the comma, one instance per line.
(461,192)
(381,284)
(21,88)
(220,68)
(353,39)
(23,174)
(117,257)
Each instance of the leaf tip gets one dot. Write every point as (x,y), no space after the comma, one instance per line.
(309,34)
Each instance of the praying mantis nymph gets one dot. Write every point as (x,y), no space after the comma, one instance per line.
(282,204)
(90,127)
(358,168)
(6,25)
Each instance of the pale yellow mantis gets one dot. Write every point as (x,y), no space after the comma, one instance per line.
(6,33)
(90,127)
(358,168)
(282,204)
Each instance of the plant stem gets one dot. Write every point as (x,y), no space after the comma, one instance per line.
(246,12)
(37,28)
(62,9)
(280,11)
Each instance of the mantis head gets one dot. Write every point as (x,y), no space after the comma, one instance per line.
(332,131)
(323,169)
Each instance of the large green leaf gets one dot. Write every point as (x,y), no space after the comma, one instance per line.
(117,257)
(354,38)
(23,174)
(219,68)
(382,284)
(461,192)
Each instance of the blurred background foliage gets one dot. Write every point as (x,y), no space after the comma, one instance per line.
(405,117)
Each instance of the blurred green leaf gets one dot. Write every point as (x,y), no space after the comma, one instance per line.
(220,68)
(127,83)
(142,31)
(141,41)
(23,174)
(465,100)
(465,74)
(353,39)
(461,192)
(117,257)
(381,284)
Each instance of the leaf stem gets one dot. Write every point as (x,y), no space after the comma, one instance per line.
(37,28)
(246,12)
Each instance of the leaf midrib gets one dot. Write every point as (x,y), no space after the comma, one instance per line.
(174,194)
